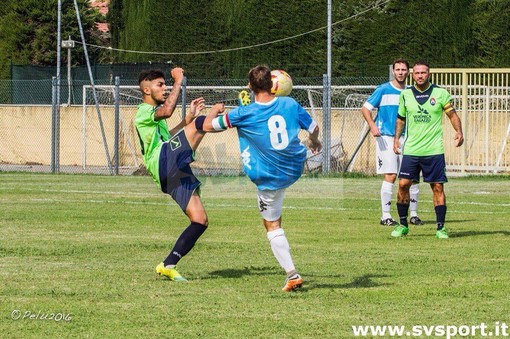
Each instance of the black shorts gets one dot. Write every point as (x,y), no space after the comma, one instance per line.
(433,168)
(175,174)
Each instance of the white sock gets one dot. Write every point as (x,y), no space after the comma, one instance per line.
(281,249)
(413,202)
(386,194)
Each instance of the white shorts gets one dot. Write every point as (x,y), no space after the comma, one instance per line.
(270,203)
(385,159)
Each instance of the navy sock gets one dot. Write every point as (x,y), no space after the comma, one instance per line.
(185,243)
(440,216)
(402,213)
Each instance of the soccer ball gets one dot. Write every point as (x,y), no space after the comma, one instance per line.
(282,83)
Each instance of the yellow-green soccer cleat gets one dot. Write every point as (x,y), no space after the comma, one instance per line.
(244,98)
(442,234)
(169,272)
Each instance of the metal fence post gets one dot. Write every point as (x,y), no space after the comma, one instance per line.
(53,121)
(117,114)
(183,96)
(326,124)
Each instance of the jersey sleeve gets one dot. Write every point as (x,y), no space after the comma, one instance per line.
(235,117)
(374,100)
(446,99)
(402,110)
(305,120)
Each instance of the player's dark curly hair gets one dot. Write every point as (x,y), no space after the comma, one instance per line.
(260,79)
(150,75)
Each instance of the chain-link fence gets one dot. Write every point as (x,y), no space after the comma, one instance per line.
(102,139)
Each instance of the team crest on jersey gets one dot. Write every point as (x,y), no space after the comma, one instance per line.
(175,143)
(432,101)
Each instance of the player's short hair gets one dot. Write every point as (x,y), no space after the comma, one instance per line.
(421,63)
(150,75)
(260,79)
(400,61)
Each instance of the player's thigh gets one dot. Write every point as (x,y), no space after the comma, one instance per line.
(410,168)
(434,169)
(386,160)
(270,203)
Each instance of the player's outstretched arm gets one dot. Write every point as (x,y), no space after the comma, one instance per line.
(313,142)
(168,108)
(212,122)
(196,106)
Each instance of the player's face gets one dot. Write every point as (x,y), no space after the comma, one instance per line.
(421,74)
(400,72)
(158,90)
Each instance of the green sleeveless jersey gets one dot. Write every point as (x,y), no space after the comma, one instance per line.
(152,134)
(423,112)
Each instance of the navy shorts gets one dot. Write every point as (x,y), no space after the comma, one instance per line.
(175,174)
(433,168)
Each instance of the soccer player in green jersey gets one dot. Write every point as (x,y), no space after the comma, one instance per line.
(420,111)
(168,153)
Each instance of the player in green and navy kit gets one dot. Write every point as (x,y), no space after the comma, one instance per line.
(421,110)
(168,153)
(272,154)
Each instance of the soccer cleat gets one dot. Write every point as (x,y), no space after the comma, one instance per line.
(292,284)
(442,234)
(416,221)
(399,231)
(244,98)
(389,222)
(169,272)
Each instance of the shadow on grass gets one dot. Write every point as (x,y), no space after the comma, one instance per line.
(238,273)
(364,281)
(475,233)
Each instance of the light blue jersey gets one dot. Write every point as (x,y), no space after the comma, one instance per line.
(272,154)
(385,99)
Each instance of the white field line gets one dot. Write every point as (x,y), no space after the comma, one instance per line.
(152,195)
(213,205)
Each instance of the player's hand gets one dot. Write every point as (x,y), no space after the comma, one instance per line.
(177,74)
(396,146)
(374,130)
(196,106)
(217,109)
(313,145)
(459,139)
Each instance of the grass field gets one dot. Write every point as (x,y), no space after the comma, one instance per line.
(85,248)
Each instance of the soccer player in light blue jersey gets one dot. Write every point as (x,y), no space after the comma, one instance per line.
(385,99)
(272,154)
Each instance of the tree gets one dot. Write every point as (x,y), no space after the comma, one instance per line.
(28,32)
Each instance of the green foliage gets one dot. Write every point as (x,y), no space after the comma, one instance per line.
(28,31)
(88,245)
(491,31)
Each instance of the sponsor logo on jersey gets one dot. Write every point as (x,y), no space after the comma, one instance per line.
(422,116)
(245,156)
